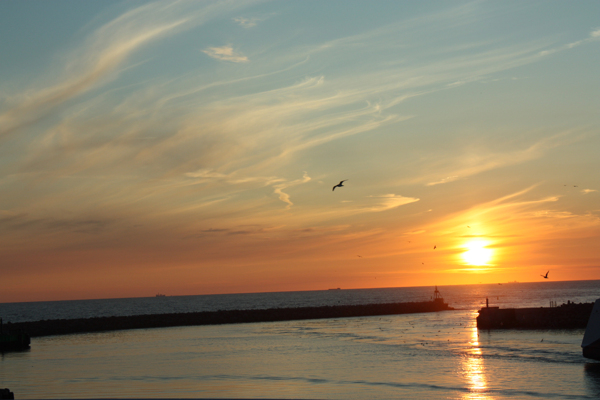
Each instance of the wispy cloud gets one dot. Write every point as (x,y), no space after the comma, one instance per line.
(476,159)
(594,36)
(389,201)
(444,180)
(247,22)
(281,186)
(553,214)
(251,22)
(226,53)
(587,191)
(232,178)
(101,55)
(278,184)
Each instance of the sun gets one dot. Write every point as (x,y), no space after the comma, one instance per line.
(477,253)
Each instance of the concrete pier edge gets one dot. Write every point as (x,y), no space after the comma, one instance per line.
(566,316)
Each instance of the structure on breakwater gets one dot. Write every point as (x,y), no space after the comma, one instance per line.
(566,316)
(99,324)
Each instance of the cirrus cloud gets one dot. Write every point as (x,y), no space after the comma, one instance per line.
(389,201)
(225,53)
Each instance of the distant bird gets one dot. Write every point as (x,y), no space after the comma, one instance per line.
(434,247)
(339,184)
(574,185)
(359,256)
(545,276)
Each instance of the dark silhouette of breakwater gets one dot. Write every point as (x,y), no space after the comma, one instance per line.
(11,339)
(100,324)
(566,316)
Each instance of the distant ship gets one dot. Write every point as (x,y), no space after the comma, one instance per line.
(335,289)
(160,295)
(591,338)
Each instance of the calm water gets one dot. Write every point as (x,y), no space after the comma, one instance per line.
(433,355)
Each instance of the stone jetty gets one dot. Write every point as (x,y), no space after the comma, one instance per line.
(100,324)
(566,316)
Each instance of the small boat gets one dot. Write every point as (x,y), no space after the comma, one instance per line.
(591,337)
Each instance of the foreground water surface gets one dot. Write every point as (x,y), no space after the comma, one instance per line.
(433,355)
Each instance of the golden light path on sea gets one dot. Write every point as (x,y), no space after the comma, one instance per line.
(474,370)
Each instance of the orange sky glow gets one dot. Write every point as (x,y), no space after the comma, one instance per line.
(191,147)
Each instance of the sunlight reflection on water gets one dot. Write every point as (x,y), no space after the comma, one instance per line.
(474,369)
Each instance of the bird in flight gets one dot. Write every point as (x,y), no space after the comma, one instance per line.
(545,276)
(434,247)
(339,184)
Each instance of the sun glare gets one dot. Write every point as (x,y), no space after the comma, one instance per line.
(477,253)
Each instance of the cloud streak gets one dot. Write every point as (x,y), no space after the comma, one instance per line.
(101,55)
(475,160)
(99,58)
(390,201)
(226,53)
(286,197)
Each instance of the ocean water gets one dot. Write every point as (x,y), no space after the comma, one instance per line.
(431,355)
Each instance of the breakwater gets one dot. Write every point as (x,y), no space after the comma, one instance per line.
(100,324)
(12,339)
(566,316)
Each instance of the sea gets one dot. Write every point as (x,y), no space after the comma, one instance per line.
(440,355)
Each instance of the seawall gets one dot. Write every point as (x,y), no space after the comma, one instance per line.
(566,316)
(100,324)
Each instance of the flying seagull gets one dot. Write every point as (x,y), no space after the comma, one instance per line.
(339,184)
(434,247)
(545,276)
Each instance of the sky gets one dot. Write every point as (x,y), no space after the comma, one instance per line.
(191,147)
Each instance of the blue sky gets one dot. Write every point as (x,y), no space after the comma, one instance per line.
(191,147)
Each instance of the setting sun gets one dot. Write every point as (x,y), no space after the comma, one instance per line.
(477,253)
